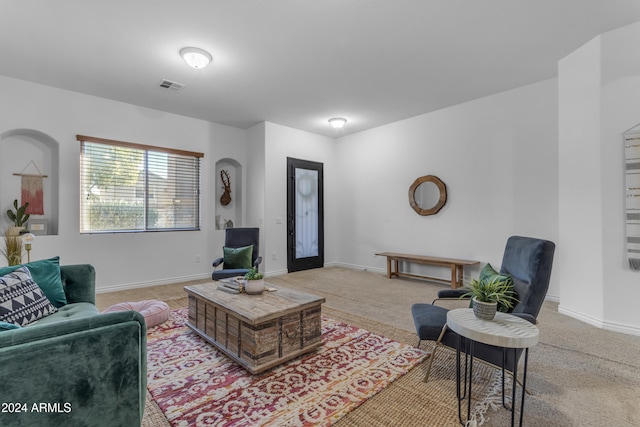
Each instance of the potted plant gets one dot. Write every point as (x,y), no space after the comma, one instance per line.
(254,281)
(487,294)
(19,217)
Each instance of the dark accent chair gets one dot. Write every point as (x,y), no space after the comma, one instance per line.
(528,261)
(237,238)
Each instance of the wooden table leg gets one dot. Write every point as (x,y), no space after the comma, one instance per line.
(389,267)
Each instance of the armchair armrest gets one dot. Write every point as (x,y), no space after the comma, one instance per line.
(451,294)
(79,283)
(217,262)
(257,261)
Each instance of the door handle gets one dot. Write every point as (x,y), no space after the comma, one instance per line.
(291,225)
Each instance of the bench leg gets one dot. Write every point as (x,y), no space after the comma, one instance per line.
(454,276)
(393,269)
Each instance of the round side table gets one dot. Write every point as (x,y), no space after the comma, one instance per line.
(506,331)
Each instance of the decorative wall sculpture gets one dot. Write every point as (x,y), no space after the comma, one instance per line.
(225,199)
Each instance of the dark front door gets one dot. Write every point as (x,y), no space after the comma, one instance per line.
(305,218)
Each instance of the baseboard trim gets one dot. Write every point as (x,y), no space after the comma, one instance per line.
(599,323)
(170,281)
(127,286)
(325,265)
(360,267)
(275,273)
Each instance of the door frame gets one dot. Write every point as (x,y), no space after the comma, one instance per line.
(294,264)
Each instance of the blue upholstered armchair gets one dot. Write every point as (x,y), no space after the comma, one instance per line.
(234,239)
(528,261)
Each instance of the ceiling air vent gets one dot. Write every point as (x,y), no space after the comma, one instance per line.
(168,84)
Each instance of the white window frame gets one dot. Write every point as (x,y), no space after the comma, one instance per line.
(186,181)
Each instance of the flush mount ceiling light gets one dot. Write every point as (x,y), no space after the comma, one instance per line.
(196,58)
(337,122)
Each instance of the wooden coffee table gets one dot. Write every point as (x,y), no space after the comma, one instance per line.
(256,331)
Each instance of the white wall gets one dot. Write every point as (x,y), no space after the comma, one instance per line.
(599,100)
(498,158)
(580,182)
(120,259)
(255,194)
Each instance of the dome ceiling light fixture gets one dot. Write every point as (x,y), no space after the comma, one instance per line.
(337,122)
(195,57)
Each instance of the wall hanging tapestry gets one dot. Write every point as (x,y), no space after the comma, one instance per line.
(31,190)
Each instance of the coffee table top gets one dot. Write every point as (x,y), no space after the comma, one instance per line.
(255,309)
(505,330)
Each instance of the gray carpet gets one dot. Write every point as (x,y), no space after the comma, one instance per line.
(579,375)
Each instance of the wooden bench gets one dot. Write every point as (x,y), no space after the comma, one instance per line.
(456,266)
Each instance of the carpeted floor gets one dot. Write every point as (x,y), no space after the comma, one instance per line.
(579,375)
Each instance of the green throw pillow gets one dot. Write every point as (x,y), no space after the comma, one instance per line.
(237,257)
(488,273)
(6,326)
(46,273)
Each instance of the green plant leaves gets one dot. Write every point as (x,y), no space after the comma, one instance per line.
(496,289)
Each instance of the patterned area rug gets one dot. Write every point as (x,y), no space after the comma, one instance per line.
(196,385)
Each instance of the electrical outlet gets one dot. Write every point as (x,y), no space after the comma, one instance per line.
(273,256)
(197,259)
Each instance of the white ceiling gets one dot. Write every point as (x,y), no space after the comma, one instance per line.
(299,62)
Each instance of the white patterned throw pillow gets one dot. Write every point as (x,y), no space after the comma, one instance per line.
(21,299)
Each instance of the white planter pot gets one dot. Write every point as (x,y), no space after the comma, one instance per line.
(254,287)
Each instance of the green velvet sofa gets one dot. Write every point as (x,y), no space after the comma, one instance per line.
(75,367)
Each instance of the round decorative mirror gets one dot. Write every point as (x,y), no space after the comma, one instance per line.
(427,195)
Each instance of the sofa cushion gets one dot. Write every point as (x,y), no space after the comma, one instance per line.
(21,299)
(70,311)
(237,257)
(46,273)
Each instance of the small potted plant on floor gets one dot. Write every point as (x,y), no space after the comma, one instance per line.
(487,294)
(254,281)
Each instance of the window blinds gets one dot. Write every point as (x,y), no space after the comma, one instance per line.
(126,187)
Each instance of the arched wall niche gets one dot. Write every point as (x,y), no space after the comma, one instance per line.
(231,211)
(19,147)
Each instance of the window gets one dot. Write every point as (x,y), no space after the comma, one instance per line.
(126,187)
